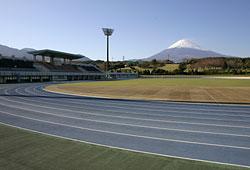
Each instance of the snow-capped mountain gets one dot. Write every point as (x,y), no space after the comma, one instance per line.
(184,43)
(183,49)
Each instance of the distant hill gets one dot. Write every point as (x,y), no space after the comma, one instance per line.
(183,49)
(28,49)
(83,59)
(8,52)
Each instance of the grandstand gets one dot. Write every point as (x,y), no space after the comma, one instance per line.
(89,68)
(53,66)
(16,65)
(57,68)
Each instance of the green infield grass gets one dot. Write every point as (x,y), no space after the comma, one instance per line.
(175,89)
(25,150)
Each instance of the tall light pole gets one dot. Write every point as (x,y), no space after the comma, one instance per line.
(108,32)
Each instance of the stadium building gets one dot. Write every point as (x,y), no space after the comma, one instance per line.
(50,65)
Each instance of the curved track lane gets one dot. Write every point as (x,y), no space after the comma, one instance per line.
(210,132)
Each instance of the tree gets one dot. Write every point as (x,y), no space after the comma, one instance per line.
(146,72)
(154,63)
(182,67)
(159,72)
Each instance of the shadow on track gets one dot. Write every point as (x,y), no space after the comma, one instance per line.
(70,97)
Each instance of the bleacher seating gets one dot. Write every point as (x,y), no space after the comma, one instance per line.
(21,65)
(70,68)
(16,65)
(60,68)
(90,68)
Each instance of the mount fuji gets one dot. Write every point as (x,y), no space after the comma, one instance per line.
(183,49)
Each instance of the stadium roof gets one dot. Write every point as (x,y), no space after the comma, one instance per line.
(56,54)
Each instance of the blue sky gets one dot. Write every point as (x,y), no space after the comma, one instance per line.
(142,27)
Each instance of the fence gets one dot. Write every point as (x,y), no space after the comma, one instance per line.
(30,76)
(171,76)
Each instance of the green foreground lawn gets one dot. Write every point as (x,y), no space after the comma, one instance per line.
(24,150)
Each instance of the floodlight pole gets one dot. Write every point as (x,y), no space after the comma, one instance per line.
(108,32)
(107,64)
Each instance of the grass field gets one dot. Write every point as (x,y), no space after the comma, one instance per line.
(170,67)
(167,67)
(177,89)
(24,150)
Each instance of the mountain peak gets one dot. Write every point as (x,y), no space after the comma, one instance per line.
(183,49)
(185,43)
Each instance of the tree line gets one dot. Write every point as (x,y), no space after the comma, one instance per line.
(202,66)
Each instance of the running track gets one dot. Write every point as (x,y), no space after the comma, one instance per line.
(209,132)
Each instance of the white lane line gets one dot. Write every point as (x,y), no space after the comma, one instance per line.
(149,107)
(189,117)
(130,135)
(118,111)
(156,115)
(164,112)
(119,148)
(143,119)
(156,101)
(127,124)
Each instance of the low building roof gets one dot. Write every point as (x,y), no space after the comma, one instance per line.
(56,54)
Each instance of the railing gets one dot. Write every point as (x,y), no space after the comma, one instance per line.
(171,76)
(33,73)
